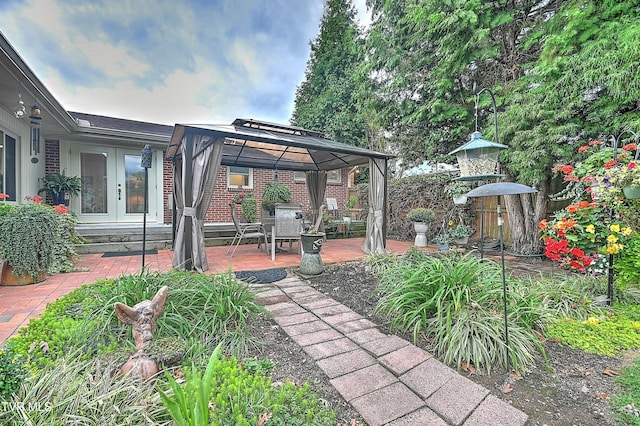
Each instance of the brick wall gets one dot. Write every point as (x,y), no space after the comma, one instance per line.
(219,210)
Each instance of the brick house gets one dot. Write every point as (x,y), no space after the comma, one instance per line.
(105,152)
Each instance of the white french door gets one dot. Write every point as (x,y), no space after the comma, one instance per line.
(112,185)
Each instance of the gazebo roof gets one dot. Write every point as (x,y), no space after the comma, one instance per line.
(264,145)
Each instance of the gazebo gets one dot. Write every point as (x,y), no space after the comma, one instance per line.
(198,150)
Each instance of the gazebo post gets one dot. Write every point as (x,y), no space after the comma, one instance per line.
(187,180)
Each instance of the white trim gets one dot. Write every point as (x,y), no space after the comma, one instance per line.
(230,186)
(297,177)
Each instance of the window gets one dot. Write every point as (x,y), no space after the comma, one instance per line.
(8,166)
(333,176)
(239,177)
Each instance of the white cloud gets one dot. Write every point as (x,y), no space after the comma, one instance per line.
(168,62)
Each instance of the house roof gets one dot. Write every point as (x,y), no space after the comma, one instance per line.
(260,144)
(103,122)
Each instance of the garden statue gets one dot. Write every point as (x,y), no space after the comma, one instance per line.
(142,317)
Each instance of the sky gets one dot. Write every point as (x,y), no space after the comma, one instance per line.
(168,61)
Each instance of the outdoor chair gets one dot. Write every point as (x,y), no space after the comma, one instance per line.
(332,208)
(252,230)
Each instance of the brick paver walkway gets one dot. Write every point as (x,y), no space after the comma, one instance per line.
(385,378)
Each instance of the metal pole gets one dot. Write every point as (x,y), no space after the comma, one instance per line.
(481,228)
(145,163)
(144,216)
(504,287)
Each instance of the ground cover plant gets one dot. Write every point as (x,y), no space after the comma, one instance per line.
(72,354)
(453,303)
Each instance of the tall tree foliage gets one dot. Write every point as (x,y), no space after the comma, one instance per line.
(426,57)
(560,70)
(326,99)
(584,85)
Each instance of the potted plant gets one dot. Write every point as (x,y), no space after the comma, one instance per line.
(36,239)
(458,191)
(442,241)
(421,218)
(249,208)
(273,194)
(461,233)
(350,208)
(61,187)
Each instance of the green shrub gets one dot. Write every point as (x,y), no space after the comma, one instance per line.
(627,266)
(207,309)
(421,214)
(240,397)
(12,373)
(629,381)
(249,208)
(602,335)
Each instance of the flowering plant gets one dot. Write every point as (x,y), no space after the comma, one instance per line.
(576,235)
(604,171)
(237,197)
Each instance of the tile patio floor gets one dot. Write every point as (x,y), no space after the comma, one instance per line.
(386,379)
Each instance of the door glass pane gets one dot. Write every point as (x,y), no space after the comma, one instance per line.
(93,171)
(134,178)
(1,162)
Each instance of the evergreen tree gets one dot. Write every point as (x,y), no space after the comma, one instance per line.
(326,99)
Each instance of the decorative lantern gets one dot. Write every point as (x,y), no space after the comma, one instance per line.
(478,158)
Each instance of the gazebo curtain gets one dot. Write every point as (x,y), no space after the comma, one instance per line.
(374,241)
(194,183)
(316,186)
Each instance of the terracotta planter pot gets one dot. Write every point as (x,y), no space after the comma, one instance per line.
(8,277)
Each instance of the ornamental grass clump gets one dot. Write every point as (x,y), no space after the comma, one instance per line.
(454,301)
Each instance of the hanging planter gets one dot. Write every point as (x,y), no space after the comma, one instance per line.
(631,192)
(460,200)
(462,241)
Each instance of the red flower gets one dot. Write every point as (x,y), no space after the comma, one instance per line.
(630,147)
(4,196)
(577,252)
(595,142)
(583,148)
(632,165)
(610,164)
(566,169)
(576,265)
(583,204)
(543,224)
(571,208)
(61,208)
